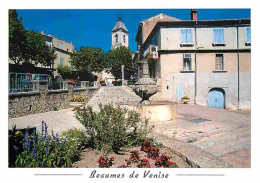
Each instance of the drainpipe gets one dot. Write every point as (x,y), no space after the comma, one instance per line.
(195,77)
(238,84)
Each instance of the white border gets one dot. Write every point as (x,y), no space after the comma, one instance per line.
(27,175)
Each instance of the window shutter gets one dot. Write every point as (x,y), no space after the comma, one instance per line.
(248,35)
(189,35)
(215,35)
(183,35)
(222,35)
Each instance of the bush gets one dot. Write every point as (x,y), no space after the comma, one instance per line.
(134,156)
(65,72)
(144,163)
(107,129)
(50,151)
(76,140)
(164,162)
(105,162)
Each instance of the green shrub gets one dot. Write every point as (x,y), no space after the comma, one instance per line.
(111,129)
(50,151)
(76,140)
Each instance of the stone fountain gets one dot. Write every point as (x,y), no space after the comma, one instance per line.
(146,87)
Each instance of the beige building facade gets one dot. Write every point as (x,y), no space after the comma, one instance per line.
(62,49)
(208,61)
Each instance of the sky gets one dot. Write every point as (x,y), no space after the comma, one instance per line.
(93,27)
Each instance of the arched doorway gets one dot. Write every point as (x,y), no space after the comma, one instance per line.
(216,98)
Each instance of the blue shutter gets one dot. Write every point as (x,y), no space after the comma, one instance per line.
(189,36)
(215,35)
(182,35)
(222,36)
(180,91)
(248,35)
(219,35)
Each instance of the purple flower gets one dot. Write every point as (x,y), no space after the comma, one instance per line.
(16,148)
(35,151)
(46,150)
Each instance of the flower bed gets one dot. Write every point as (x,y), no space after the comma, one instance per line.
(43,150)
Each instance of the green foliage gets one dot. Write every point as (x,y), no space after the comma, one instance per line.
(65,72)
(76,141)
(26,45)
(17,38)
(112,129)
(37,49)
(117,57)
(88,58)
(50,151)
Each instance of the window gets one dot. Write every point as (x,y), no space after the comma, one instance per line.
(219,35)
(219,66)
(60,44)
(61,61)
(124,38)
(186,36)
(187,62)
(248,34)
(116,36)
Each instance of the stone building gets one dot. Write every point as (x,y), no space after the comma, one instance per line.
(62,49)
(119,35)
(206,60)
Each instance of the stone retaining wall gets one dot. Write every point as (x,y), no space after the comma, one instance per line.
(27,103)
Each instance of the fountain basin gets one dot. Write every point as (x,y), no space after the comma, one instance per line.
(156,111)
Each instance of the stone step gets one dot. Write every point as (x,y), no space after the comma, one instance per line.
(198,136)
(231,146)
(211,141)
(114,95)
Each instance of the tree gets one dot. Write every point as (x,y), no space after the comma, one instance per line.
(117,57)
(65,72)
(27,46)
(37,49)
(88,58)
(17,38)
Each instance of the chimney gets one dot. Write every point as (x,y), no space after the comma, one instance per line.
(193,14)
(42,32)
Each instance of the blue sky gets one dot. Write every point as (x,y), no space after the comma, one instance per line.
(93,27)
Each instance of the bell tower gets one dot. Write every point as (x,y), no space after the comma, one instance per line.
(119,35)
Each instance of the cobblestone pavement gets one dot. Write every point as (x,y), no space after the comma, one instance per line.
(57,121)
(216,131)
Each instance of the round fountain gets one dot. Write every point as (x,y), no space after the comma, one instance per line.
(146,87)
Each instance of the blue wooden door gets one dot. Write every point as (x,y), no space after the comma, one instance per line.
(216,99)
(180,91)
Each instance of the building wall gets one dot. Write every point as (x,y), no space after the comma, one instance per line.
(205,38)
(171,38)
(242,38)
(62,50)
(208,79)
(172,76)
(245,80)
(121,35)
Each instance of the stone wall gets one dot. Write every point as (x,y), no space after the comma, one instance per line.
(43,100)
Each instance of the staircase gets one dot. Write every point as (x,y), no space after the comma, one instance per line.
(113,95)
(220,142)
